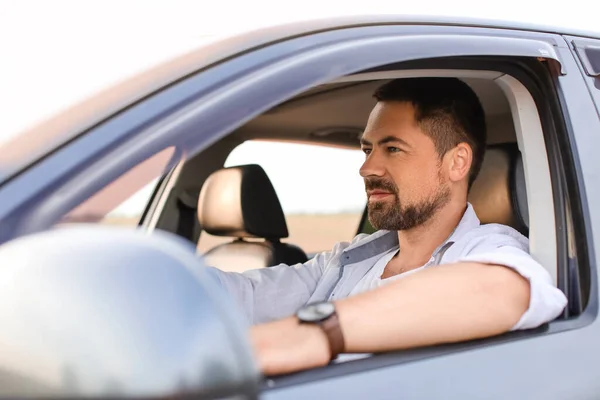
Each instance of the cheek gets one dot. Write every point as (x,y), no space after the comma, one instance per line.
(417,182)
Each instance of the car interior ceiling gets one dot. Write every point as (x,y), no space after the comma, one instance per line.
(333,114)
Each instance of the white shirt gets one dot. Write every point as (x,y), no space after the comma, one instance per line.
(372,279)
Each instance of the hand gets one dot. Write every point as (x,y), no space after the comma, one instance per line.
(287,346)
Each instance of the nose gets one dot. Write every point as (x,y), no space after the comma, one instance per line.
(373,166)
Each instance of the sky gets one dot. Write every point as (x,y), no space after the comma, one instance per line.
(56,53)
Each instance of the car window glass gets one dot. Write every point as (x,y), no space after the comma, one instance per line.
(319,188)
(123,201)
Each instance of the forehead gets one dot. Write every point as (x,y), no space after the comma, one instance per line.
(392,118)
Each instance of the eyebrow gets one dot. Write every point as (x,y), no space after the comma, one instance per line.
(385,140)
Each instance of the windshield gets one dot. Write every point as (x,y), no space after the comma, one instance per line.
(123,201)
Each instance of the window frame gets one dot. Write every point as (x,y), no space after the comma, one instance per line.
(582,123)
(167,118)
(554,128)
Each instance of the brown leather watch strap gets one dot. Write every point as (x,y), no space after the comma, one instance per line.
(335,337)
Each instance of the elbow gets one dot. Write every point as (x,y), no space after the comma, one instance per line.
(510,294)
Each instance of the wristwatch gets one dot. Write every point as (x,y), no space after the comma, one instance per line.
(323,315)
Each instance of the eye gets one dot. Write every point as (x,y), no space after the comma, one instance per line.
(392,149)
(366,151)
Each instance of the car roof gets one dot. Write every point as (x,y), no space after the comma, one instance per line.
(94,110)
(279,32)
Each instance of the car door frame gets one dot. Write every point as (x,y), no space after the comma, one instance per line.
(79,168)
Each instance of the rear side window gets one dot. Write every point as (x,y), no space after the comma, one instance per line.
(319,188)
(588,51)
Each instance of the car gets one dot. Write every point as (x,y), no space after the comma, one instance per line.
(93,309)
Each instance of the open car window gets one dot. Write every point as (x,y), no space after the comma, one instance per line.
(319,188)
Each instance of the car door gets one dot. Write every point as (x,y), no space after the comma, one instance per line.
(206,106)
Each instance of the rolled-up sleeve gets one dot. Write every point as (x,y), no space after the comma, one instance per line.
(546,301)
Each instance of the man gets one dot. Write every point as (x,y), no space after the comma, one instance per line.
(431,274)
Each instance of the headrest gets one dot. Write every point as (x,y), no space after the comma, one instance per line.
(241,202)
(498,194)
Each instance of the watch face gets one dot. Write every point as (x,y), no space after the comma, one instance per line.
(316,312)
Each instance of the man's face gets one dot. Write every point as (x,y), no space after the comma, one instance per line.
(404,176)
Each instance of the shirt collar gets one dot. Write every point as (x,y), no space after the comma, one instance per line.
(382,241)
(468,221)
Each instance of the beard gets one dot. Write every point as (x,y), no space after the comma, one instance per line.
(393,216)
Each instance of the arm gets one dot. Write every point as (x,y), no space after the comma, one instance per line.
(456,302)
(269,293)
(464,302)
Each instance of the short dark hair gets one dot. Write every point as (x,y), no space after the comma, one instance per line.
(446,109)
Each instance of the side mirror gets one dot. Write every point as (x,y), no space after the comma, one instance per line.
(102,311)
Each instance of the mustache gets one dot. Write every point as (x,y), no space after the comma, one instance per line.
(381,184)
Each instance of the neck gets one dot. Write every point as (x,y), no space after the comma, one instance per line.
(418,244)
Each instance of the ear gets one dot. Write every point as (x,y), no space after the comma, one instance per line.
(459,162)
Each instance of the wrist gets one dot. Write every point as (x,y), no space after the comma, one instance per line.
(323,316)
(315,341)
(286,345)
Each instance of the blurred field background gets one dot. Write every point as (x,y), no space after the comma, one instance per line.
(313,233)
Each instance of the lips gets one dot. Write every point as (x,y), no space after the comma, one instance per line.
(378,194)
(379,189)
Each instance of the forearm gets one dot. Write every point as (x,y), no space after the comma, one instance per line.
(439,305)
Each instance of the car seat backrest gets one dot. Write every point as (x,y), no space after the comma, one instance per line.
(498,194)
(240,202)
